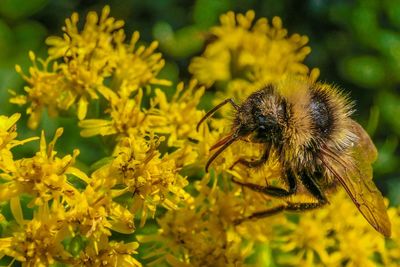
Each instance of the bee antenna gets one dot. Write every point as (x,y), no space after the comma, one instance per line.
(213,110)
(227,143)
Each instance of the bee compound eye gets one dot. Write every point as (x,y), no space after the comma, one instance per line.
(262,119)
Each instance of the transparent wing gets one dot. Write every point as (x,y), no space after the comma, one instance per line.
(355,174)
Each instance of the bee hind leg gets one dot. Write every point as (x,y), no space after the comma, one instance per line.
(285,207)
(309,183)
(273,190)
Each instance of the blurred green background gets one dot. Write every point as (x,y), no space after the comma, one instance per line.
(356,45)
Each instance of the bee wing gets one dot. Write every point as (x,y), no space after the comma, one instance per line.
(355,175)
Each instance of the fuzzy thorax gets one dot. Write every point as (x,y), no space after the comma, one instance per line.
(318,116)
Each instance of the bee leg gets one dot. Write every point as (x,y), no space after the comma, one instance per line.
(255,163)
(249,164)
(308,182)
(261,214)
(280,208)
(273,190)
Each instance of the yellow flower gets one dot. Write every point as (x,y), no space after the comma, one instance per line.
(393,245)
(176,118)
(100,46)
(139,170)
(73,234)
(157,153)
(44,176)
(93,213)
(330,236)
(201,233)
(8,133)
(96,39)
(98,52)
(126,117)
(179,116)
(81,61)
(110,253)
(138,66)
(243,50)
(243,56)
(88,57)
(37,242)
(43,90)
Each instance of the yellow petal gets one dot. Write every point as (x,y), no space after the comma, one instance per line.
(8,190)
(82,108)
(79,174)
(16,210)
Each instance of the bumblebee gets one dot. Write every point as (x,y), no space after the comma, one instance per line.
(308,125)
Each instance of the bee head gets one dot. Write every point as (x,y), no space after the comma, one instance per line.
(263,116)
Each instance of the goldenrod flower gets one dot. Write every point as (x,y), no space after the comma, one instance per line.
(176,118)
(8,133)
(68,234)
(43,90)
(393,245)
(330,236)
(100,45)
(110,253)
(157,156)
(94,214)
(88,57)
(138,66)
(44,176)
(244,52)
(37,242)
(139,170)
(96,38)
(126,117)
(201,233)
(179,116)
(81,61)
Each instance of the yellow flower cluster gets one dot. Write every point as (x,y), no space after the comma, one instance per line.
(90,56)
(334,236)
(76,213)
(69,224)
(242,52)
(60,214)
(241,56)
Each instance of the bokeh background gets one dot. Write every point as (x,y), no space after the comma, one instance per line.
(355,44)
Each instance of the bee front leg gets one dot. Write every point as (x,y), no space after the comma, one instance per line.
(255,163)
(249,164)
(273,190)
